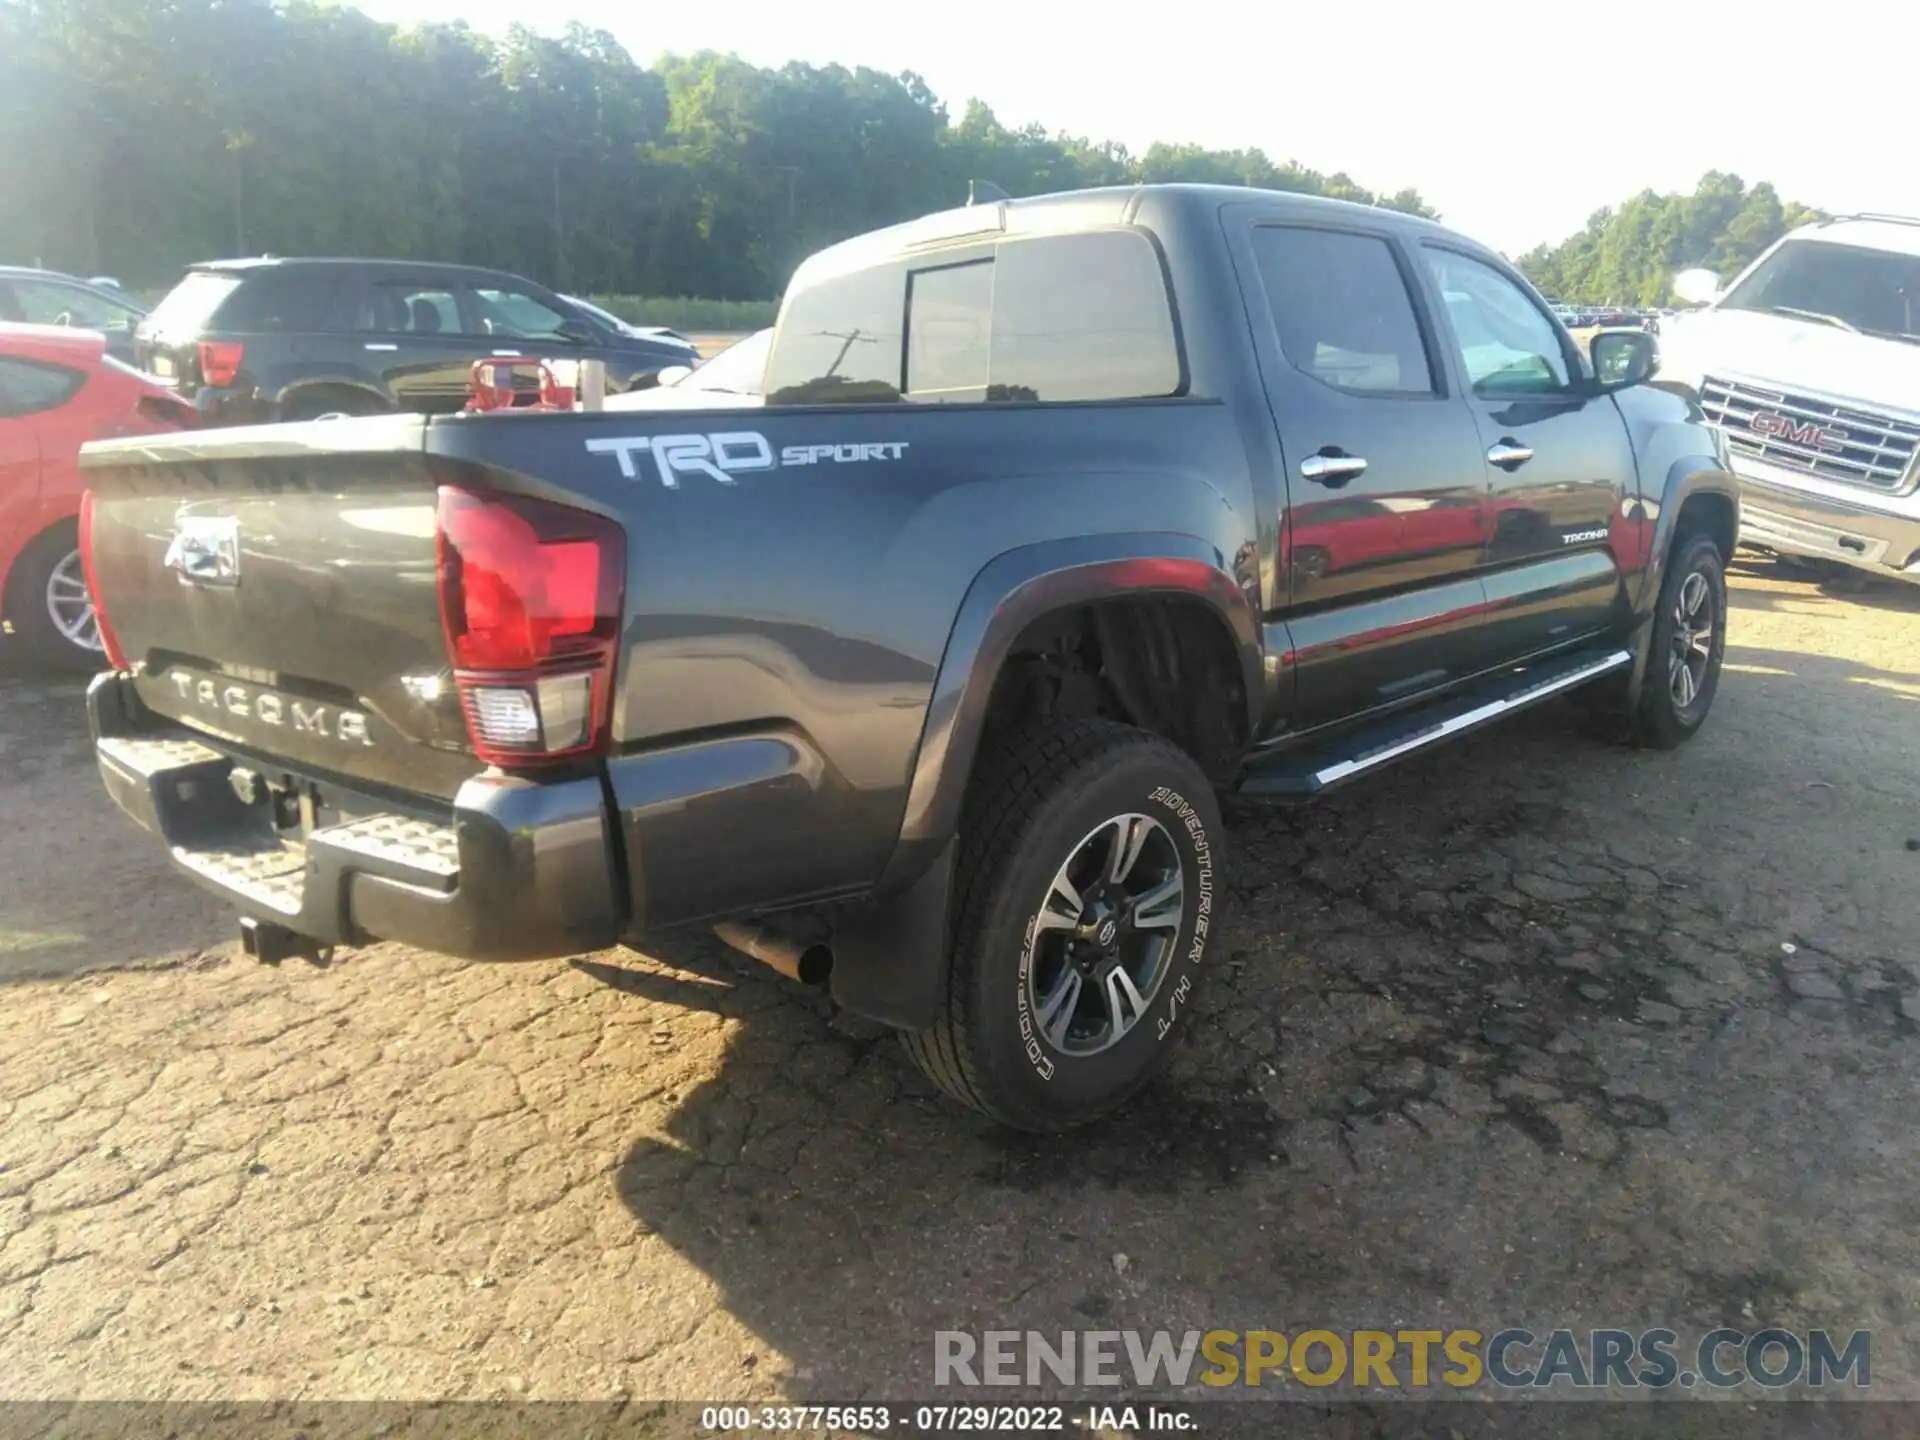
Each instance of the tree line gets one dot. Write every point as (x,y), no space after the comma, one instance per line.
(1629,255)
(138,136)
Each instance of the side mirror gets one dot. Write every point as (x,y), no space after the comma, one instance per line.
(1697,287)
(1623,357)
(577,332)
(672,374)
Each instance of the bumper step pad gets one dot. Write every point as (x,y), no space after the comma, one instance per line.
(179,789)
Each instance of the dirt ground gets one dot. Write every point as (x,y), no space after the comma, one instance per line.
(1512,1035)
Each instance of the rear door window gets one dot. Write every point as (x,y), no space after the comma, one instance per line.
(1342,310)
(1082,317)
(191,305)
(401,307)
(28,387)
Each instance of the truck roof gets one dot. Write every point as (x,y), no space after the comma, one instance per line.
(1897,233)
(1078,210)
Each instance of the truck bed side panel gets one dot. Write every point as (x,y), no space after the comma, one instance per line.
(812,599)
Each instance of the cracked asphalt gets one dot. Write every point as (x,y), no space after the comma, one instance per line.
(1533,1031)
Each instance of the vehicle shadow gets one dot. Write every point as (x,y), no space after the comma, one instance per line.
(81,887)
(848,1210)
(1390,1108)
(1832,675)
(1836,583)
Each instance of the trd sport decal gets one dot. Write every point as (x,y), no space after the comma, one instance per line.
(730,453)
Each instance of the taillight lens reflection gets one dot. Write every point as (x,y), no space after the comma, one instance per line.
(530,599)
(108,640)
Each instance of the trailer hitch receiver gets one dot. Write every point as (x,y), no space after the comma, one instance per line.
(270,944)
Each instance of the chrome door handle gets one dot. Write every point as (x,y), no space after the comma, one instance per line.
(1332,469)
(1508,455)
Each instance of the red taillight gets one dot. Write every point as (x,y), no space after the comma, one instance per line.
(108,640)
(220,361)
(530,597)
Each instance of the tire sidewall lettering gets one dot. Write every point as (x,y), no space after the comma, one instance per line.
(1188,819)
(1176,989)
(1030,1042)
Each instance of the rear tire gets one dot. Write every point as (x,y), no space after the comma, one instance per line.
(1687,647)
(48,606)
(1083,905)
(318,405)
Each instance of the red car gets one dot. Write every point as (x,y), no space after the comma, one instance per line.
(58,390)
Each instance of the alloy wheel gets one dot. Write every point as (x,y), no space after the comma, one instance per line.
(1105,934)
(1692,651)
(69,606)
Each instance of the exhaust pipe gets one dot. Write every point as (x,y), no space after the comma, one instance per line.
(807,962)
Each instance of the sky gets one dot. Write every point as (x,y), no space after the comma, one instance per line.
(1516,121)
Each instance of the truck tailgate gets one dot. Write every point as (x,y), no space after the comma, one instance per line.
(274,588)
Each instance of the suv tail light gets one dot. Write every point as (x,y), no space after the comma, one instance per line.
(530,599)
(108,640)
(220,361)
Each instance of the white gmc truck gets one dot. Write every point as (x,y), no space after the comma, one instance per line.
(1810,364)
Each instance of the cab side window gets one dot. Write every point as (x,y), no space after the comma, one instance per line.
(1081,317)
(1342,310)
(839,342)
(1506,345)
(949,331)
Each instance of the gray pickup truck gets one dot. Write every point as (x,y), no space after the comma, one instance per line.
(1061,516)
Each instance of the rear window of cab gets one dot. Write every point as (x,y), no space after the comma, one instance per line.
(1041,318)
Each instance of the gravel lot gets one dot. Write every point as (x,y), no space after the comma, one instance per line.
(1509,1036)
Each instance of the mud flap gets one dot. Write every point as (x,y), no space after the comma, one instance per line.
(890,957)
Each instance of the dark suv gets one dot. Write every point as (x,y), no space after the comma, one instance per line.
(250,341)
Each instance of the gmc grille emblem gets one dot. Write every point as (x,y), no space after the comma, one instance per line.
(1775,426)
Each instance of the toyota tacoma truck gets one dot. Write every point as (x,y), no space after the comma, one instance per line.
(1810,363)
(1062,517)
